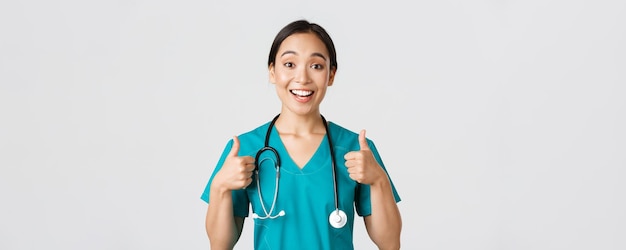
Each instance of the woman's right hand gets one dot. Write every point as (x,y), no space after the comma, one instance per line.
(236,173)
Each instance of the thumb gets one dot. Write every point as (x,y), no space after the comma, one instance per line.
(363,141)
(234,150)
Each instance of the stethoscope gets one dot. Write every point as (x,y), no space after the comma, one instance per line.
(337,218)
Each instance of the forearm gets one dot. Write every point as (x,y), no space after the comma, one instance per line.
(384,224)
(220,221)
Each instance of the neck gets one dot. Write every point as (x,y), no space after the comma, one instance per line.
(290,123)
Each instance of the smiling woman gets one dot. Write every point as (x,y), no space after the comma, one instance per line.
(328,173)
(301,73)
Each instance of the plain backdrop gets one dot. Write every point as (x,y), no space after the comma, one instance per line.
(500,122)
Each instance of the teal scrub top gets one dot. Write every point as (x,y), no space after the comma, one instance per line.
(306,194)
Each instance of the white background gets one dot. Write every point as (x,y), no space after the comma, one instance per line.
(500,122)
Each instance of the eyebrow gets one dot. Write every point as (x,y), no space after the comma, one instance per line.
(313,54)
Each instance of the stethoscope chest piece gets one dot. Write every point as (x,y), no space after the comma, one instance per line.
(337,218)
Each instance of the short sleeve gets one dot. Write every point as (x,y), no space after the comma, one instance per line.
(240,197)
(363,199)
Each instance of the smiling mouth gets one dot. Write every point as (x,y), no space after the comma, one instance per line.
(301,93)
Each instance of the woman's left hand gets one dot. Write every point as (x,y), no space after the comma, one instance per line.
(362,166)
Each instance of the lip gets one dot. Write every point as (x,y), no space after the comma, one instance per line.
(301,98)
(301,92)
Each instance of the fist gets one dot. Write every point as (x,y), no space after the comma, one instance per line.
(236,173)
(361,164)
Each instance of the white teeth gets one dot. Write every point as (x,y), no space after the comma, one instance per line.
(301,93)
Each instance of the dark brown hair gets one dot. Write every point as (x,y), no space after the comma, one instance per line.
(303,26)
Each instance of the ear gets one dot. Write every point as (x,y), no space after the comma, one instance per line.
(271,73)
(331,77)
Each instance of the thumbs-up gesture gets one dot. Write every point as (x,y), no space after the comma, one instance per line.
(362,166)
(236,173)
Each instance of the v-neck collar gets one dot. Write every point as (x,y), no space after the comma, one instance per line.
(319,159)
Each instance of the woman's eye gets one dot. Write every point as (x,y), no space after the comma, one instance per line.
(317,66)
(288,65)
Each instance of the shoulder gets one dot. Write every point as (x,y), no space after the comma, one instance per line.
(251,140)
(257,132)
(343,137)
(346,138)
(340,131)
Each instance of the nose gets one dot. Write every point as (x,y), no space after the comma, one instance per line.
(302,75)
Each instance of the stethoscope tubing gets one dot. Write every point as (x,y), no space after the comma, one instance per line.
(338,213)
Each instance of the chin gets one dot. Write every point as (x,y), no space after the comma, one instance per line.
(303,111)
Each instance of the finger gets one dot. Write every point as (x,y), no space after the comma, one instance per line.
(350,163)
(247,183)
(363,141)
(355,177)
(350,155)
(354,169)
(234,150)
(247,160)
(250,167)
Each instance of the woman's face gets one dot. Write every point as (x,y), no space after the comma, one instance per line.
(301,73)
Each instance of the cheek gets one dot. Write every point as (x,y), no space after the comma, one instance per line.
(282,76)
(322,77)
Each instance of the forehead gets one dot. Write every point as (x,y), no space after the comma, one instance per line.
(305,43)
